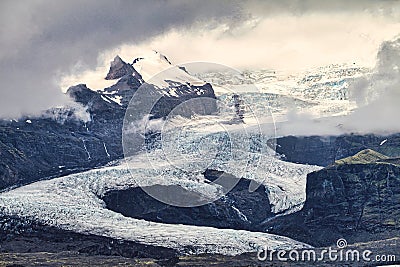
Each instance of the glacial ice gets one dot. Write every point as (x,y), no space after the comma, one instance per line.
(74,202)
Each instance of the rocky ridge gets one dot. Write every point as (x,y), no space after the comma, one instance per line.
(356,198)
(325,150)
(238,209)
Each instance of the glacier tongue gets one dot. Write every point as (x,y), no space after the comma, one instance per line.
(74,202)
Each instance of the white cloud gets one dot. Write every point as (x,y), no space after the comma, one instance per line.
(283,42)
(43,40)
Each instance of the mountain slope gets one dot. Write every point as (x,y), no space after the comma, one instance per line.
(29,146)
(325,150)
(366,156)
(356,200)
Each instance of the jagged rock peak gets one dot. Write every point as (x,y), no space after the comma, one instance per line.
(77,88)
(117,61)
(118,69)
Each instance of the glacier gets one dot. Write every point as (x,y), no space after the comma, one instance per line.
(73,203)
(189,147)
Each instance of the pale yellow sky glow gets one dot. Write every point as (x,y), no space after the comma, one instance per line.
(284,42)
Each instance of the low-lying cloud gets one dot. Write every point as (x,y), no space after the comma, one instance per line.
(377,96)
(44,41)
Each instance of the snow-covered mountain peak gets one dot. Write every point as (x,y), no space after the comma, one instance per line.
(156,69)
(154,56)
(152,69)
(161,58)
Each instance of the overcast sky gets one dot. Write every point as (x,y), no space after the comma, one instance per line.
(43,41)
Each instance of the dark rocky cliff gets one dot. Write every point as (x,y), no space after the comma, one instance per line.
(356,199)
(324,150)
(238,209)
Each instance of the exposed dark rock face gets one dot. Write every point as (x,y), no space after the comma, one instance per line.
(125,88)
(313,150)
(24,236)
(356,196)
(239,209)
(357,201)
(205,106)
(324,150)
(95,102)
(119,68)
(46,148)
